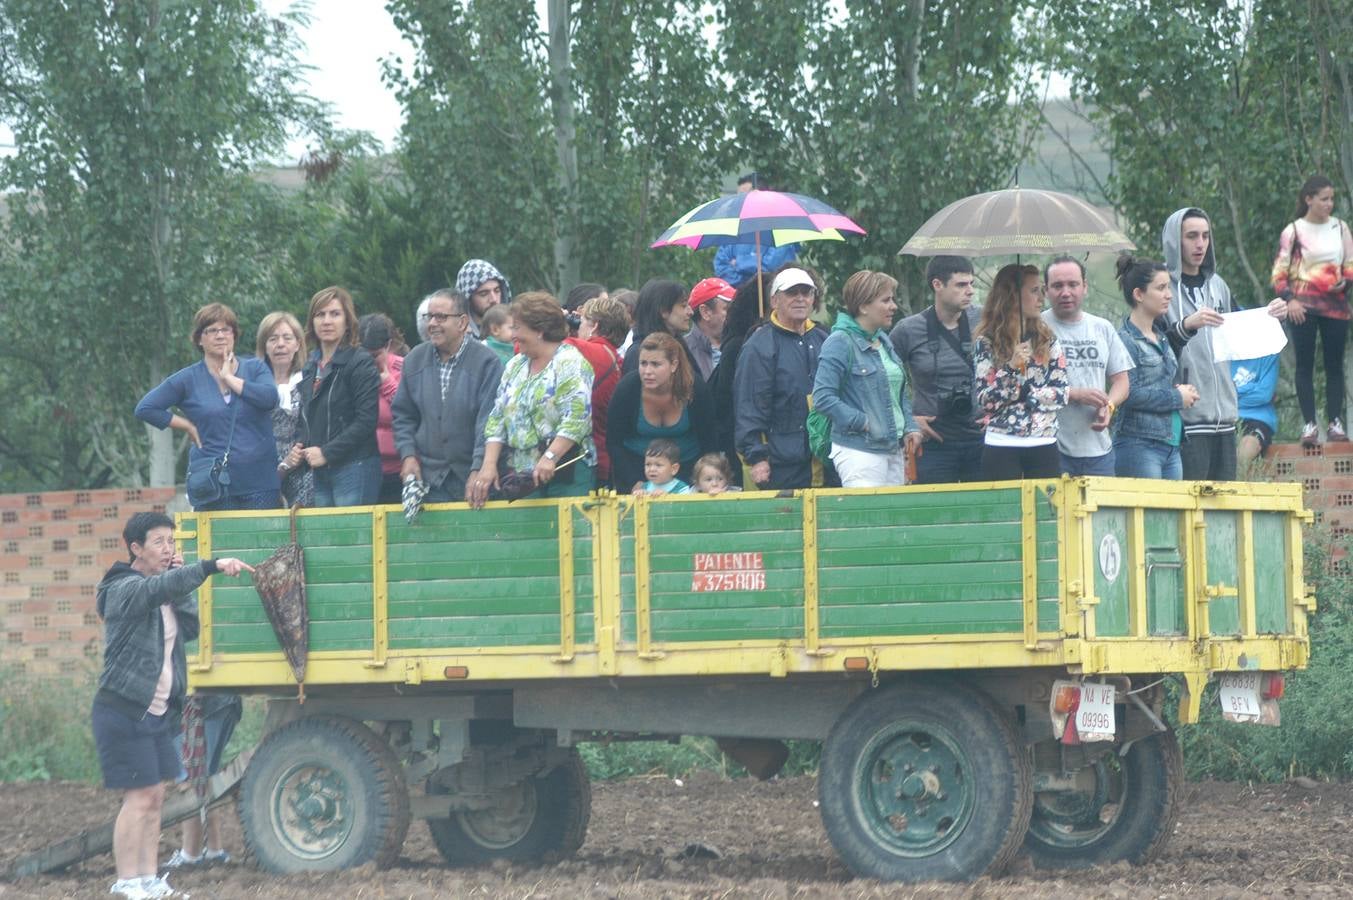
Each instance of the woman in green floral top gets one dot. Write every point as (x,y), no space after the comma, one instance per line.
(542,418)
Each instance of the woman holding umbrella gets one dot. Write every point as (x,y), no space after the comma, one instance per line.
(541,422)
(1020,379)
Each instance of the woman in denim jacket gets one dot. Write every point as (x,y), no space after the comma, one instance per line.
(1148,432)
(861,387)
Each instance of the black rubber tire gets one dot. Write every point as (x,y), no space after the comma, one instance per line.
(555,826)
(1152,775)
(995,769)
(364,776)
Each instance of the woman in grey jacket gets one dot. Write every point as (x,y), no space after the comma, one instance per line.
(861,387)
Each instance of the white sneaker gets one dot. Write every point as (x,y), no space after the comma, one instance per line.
(130,889)
(180,860)
(158,886)
(215,857)
(1310,435)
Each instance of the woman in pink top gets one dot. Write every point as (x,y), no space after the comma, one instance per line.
(374,331)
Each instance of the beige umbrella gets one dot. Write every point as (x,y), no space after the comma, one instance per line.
(1017,220)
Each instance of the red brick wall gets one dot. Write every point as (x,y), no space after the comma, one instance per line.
(54,548)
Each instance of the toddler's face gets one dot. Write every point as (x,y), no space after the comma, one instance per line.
(711,481)
(502,332)
(659,469)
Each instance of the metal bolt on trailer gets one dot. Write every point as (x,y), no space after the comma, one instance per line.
(985,664)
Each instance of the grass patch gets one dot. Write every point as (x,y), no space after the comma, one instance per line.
(45,731)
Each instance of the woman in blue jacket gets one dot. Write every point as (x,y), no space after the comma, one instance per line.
(861,387)
(1149,428)
(225,407)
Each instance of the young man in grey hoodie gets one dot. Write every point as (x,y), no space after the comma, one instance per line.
(1200,297)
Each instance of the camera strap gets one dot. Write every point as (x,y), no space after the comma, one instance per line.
(962,345)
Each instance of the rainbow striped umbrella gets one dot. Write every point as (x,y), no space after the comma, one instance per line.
(766,218)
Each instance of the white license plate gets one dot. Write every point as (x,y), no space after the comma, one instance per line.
(1094,716)
(1239,696)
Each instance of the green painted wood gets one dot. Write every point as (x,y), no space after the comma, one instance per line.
(484,593)
(1166,612)
(459,631)
(259,638)
(510,551)
(538,603)
(742,624)
(1223,548)
(894,618)
(1112,611)
(1271,587)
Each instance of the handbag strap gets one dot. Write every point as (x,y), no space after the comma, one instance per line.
(225,457)
(294,507)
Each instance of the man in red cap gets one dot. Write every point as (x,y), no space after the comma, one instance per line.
(709,303)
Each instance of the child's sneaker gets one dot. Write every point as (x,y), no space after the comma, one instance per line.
(181,860)
(1310,435)
(1335,431)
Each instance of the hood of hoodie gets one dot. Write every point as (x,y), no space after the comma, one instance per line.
(118,572)
(1171,239)
(476,272)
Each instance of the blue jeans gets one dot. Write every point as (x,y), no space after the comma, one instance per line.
(355,483)
(1145,458)
(256,500)
(945,462)
(1089,465)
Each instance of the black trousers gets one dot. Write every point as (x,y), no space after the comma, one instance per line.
(1013,463)
(1333,335)
(1209,457)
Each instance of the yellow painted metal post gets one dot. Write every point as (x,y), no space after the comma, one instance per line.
(1245,573)
(642,558)
(810,585)
(1199,620)
(380,591)
(205,611)
(606,580)
(1029,545)
(567,620)
(1138,624)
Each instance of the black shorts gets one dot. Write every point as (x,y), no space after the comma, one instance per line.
(133,753)
(1260,430)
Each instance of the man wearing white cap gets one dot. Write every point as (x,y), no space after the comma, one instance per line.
(772,384)
(709,302)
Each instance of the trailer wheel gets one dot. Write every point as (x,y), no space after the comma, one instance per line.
(924,781)
(535,819)
(323,794)
(1125,810)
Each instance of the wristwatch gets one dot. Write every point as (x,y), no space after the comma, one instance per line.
(551,455)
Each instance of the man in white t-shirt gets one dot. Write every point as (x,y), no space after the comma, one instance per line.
(1097,367)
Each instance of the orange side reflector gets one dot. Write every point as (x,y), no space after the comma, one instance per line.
(456,672)
(1067,699)
(857,663)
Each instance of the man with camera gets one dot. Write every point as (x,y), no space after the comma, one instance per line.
(936,346)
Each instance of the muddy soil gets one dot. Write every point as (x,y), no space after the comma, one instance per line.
(1233,840)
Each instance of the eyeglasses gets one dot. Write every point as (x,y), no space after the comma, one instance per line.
(442,317)
(219,331)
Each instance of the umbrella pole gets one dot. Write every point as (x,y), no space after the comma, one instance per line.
(760,300)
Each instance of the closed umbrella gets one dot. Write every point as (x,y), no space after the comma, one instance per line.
(280,583)
(1017,220)
(763,218)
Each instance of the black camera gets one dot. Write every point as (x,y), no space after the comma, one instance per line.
(954,402)
(574,320)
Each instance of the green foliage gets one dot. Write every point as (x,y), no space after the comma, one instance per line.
(1317,721)
(44,727)
(1214,104)
(137,125)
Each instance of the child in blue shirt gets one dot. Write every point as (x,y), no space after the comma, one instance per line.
(662,461)
(1256,381)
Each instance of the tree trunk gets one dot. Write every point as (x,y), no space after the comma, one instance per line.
(566,240)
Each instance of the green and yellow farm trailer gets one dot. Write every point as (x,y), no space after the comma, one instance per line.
(986,665)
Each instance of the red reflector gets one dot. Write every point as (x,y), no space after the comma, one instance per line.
(456,672)
(857,663)
(1067,699)
(1273,686)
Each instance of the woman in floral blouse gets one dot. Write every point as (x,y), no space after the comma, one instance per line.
(1021,379)
(542,418)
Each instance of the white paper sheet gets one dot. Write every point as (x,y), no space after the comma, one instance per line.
(1247,334)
